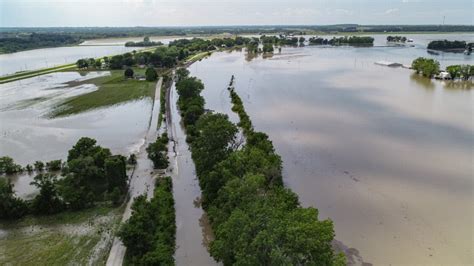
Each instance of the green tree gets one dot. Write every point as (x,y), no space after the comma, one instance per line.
(11,207)
(8,166)
(128,73)
(427,67)
(54,165)
(39,166)
(454,71)
(157,153)
(82,63)
(151,74)
(48,200)
(215,141)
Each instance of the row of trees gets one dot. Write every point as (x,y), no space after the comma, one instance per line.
(255,219)
(145,43)
(396,39)
(463,72)
(8,166)
(91,174)
(149,234)
(352,40)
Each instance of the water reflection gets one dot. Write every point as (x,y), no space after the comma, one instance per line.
(422,81)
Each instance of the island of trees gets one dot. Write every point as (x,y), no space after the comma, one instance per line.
(401,39)
(352,41)
(451,46)
(145,43)
(430,68)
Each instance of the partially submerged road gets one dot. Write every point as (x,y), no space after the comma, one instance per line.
(142,180)
(192,230)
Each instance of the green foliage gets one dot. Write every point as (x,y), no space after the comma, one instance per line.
(190,103)
(54,165)
(149,234)
(396,39)
(128,73)
(463,72)
(446,45)
(268,48)
(427,67)
(215,141)
(92,172)
(157,152)
(39,166)
(255,219)
(8,166)
(48,201)
(11,207)
(151,74)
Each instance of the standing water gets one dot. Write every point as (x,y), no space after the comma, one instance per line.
(384,153)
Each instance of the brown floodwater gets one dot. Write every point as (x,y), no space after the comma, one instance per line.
(27,134)
(385,154)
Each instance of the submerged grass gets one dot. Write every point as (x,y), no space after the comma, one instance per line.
(113,89)
(69,238)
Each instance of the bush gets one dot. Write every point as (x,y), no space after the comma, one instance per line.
(151,74)
(54,165)
(128,73)
(157,152)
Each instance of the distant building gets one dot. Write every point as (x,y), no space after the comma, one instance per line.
(443,75)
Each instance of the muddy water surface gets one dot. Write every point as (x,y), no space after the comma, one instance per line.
(27,134)
(384,154)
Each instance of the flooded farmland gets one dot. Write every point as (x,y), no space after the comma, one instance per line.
(27,134)
(385,154)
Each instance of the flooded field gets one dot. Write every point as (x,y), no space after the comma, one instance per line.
(50,57)
(385,154)
(28,135)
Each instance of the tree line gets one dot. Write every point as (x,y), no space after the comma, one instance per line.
(149,234)
(90,175)
(256,220)
(352,40)
(145,43)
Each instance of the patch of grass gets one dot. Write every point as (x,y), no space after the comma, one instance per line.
(63,239)
(113,89)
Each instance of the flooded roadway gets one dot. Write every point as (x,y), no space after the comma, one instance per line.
(143,177)
(192,229)
(384,154)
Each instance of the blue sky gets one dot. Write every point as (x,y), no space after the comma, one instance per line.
(43,13)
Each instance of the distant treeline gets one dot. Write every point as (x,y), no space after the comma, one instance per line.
(450,45)
(36,40)
(17,39)
(353,40)
(145,43)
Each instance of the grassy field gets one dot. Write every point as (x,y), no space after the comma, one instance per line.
(113,89)
(34,73)
(70,238)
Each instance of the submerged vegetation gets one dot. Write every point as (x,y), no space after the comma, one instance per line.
(430,68)
(112,89)
(255,219)
(352,40)
(91,175)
